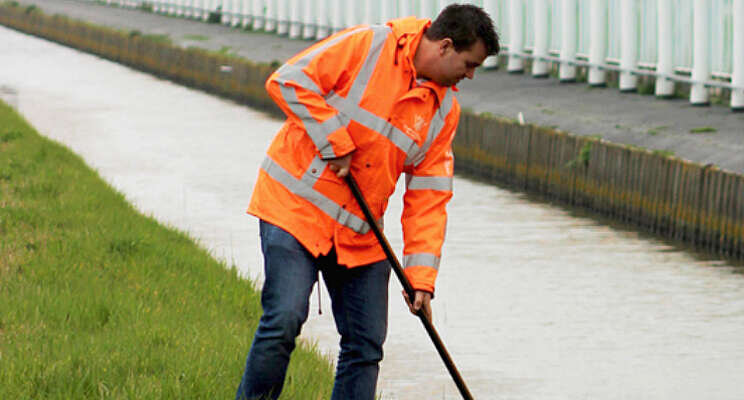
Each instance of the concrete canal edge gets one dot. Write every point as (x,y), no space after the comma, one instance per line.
(681,200)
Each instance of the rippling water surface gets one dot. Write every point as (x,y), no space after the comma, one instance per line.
(532,301)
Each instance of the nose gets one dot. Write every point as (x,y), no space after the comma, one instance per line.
(471,73)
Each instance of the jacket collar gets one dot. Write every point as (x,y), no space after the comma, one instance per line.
(408,33)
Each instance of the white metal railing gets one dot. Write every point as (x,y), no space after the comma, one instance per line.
(700,42)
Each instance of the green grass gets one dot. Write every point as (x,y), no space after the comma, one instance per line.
(199,38)
(664,153)
(704,129)
(99,301)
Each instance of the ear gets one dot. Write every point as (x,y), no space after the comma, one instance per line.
(445,45)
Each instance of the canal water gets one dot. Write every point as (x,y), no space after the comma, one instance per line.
(533,301)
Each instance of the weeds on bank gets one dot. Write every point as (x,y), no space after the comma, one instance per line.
(196,38)
(703,129)
(99,301)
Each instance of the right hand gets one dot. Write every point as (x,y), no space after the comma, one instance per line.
(340,165)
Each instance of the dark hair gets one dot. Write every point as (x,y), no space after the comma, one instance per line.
(465,24)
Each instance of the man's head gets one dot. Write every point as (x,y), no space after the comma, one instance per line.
(456,43)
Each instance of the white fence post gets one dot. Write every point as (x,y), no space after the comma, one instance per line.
(664,59)
(598,42)
(271,15)
(226,12)
(237,13)
(405,9)
(629,46)
(282,19)
(257,14)
(700,54)
(322,22)
(491,7)
(426,9)
(516,36)
(206,8)
(568,41)
(370,17)
(245,19)
(309,25)
(196,9)
(189,8)
(737,77)
(540,67)
(178,7)
(350,17)
(295,18)
(440,5)
(386,10)
(337,9)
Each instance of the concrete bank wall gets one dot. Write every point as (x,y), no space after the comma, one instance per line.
(685,201)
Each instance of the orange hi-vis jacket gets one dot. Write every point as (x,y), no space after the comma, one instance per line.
(357,91)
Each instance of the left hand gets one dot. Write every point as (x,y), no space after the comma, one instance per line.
(422,301)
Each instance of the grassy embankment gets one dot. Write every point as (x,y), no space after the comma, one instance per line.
(99,301)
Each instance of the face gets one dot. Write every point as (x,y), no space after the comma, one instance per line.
(453,66)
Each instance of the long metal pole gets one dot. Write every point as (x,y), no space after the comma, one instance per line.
(409,289)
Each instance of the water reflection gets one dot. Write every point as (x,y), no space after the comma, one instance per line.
(533,301)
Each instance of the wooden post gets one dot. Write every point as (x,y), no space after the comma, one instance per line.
(739,217)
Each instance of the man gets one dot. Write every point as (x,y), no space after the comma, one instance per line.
(374,101)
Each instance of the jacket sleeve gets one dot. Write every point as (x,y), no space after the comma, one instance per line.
(424,219)
(299,88)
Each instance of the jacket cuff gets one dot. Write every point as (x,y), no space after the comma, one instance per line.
(339,145)
(421,277)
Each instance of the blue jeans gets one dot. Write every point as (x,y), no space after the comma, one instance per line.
(359,300)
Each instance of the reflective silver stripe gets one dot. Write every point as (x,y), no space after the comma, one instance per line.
(303,189)
(318,132)
(380,34)
(418,259)
(314,171)
(305,60)
(370,120)
(443,183)
(295,71)
(292,72)
(435,128)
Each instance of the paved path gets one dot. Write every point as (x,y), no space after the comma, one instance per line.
(623,118)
